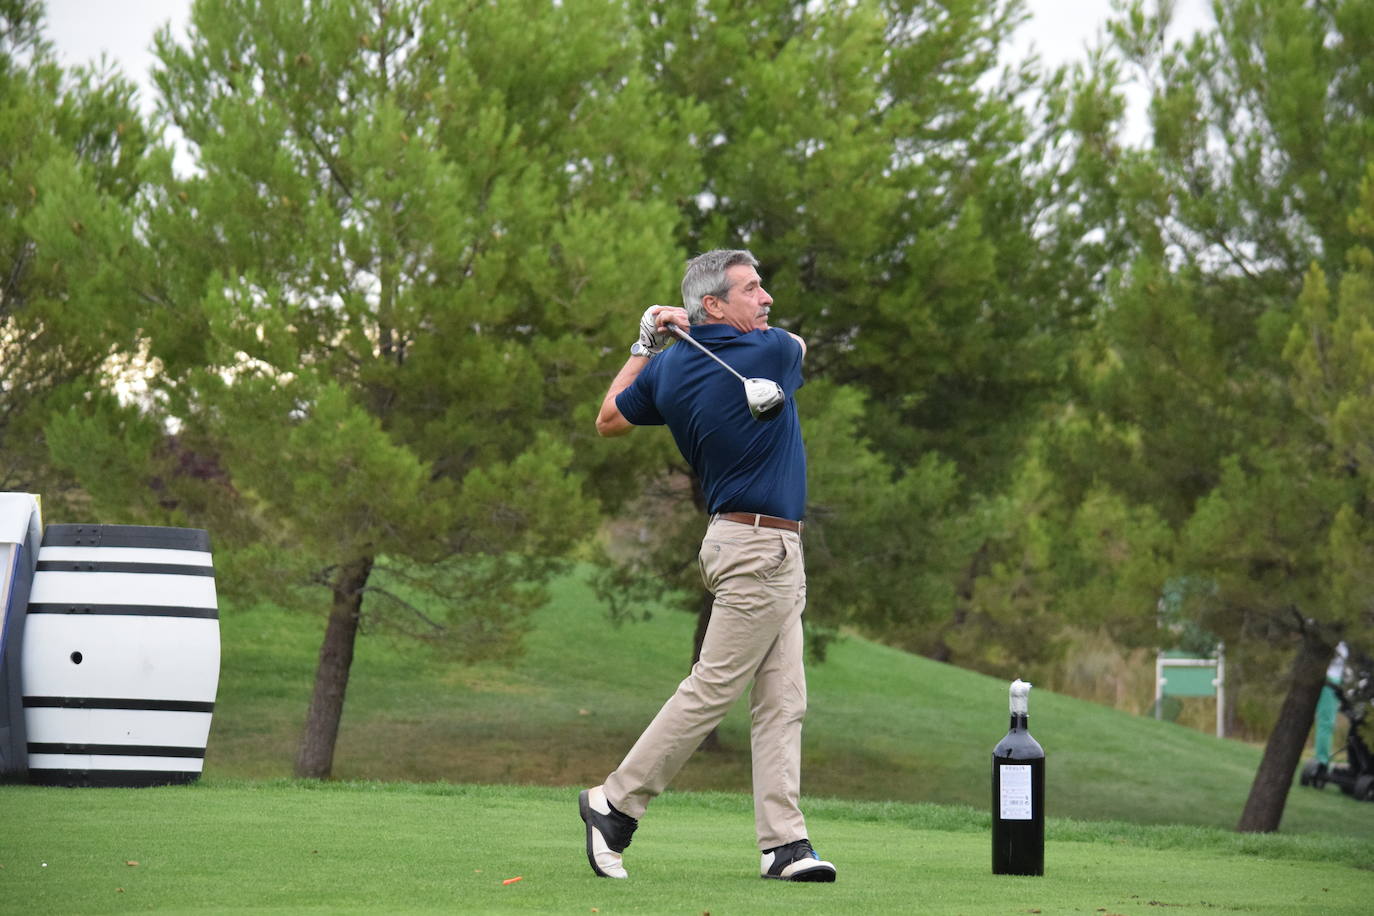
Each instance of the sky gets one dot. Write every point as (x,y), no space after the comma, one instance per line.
(81,30)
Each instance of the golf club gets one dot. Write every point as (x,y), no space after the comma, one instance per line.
(764,396)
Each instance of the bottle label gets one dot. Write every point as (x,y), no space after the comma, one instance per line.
(1015,783)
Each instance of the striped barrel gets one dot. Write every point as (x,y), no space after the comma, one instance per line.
(120,661)
(21,531)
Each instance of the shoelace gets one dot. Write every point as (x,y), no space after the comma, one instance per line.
(625,827)
(792,852)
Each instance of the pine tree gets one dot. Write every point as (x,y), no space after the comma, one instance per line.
(71,148)
(1228,374)
(382,301)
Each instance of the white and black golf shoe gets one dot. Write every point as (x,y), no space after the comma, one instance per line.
(796,862)
(608,833)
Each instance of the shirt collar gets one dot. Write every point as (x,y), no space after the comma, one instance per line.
(715,332)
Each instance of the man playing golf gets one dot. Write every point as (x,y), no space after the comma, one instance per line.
(752,467)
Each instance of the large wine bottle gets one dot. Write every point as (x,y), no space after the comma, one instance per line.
(1018,794)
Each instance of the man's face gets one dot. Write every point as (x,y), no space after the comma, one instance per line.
(745,307)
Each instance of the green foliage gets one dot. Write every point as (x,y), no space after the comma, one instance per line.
(115,446)
(377,303)
(71,148)
(1056,560)
(1331,352)
(377,314)
(885,546)
(469,609)
(1226,385)
(878,164)
(1261,131)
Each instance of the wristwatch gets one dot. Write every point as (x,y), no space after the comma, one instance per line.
(638,349)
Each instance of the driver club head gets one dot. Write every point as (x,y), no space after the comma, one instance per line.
(765,398)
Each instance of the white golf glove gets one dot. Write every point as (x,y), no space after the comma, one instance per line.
(650,337)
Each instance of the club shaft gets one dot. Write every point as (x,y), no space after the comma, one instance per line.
(683,335)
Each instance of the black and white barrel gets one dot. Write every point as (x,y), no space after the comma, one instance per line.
(121,656)
(21,531)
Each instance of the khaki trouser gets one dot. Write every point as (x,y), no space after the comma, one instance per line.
(755,634)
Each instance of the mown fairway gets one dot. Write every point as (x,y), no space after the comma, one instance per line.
(455,779)
(283,848)
(883,725)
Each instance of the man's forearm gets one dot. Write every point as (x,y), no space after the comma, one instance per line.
(610,421)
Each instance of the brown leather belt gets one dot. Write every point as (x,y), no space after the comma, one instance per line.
(761,521)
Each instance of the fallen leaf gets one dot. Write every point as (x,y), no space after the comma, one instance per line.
(119,890)
(131,862)
(513,880)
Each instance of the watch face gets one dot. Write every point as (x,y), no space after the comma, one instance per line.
(638,349)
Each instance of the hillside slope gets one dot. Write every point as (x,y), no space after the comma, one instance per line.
(883,724)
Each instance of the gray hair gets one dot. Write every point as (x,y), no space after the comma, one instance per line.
(705,276)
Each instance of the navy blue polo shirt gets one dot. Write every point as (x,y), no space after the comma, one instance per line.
(745,465)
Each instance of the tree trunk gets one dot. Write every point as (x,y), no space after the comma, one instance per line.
(712,741)
(315,759)
(1283,751)
(941,652)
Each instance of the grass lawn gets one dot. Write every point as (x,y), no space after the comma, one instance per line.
(455,779)
(284,847)
(883,724)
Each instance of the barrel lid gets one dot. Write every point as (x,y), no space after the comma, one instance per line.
(126,536)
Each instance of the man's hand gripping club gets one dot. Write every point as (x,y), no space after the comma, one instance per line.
(653,327)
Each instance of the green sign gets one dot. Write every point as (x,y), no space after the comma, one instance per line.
(1181,681)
